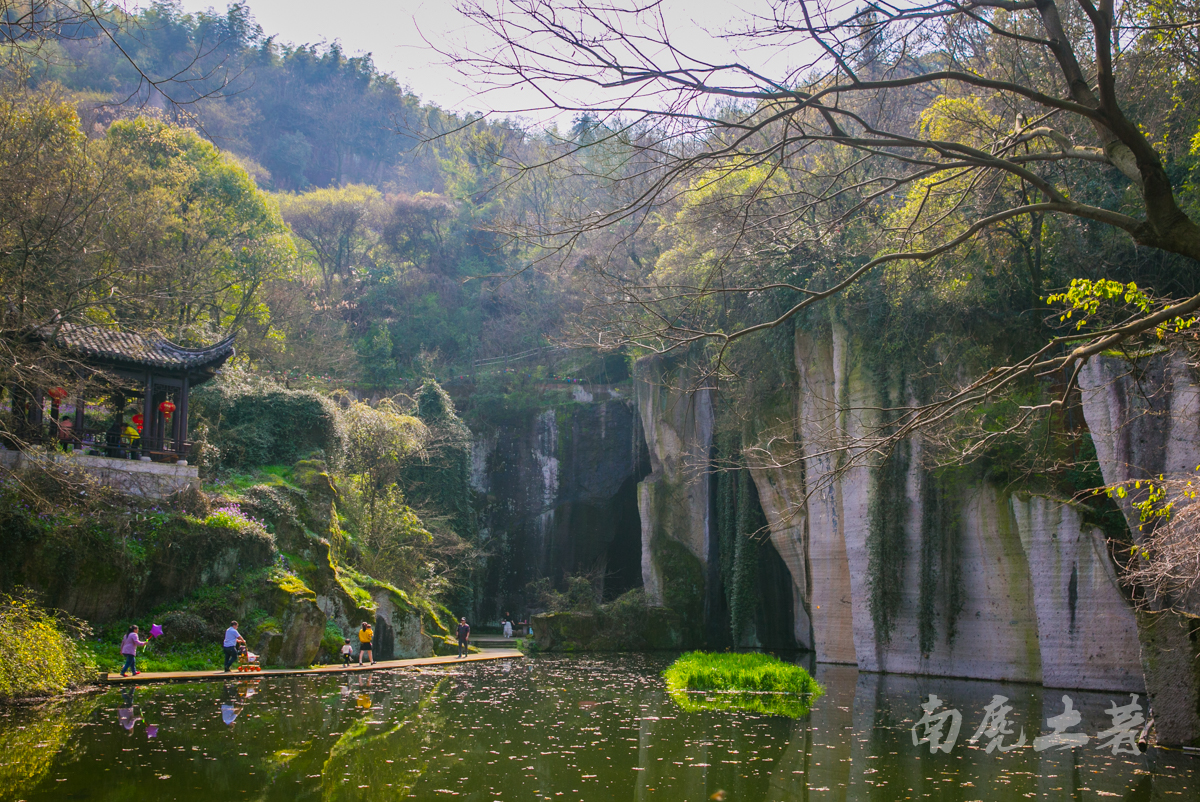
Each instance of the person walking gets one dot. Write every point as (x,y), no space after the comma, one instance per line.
(232,636)
(365,633)
(507,627)
(347,651)
(129,647)
(464,637)
(65,427)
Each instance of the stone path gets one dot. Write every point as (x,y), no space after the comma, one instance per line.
(383,665)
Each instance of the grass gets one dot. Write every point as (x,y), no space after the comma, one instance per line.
(758,683)
(157,657)
(237,482)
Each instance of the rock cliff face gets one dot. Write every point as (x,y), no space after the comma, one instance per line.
(674,500)
(1145,421)
(893,569)
(559,490)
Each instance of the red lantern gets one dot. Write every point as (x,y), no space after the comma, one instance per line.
(166,408)
(137,421)
(57,393)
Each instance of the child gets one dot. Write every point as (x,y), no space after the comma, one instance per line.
(346,650)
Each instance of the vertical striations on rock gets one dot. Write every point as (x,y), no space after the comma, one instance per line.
(558,488)
(1145,421)
(674,500)
(1086,628)
(894,566)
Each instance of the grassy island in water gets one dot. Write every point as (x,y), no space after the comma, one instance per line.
(758,683)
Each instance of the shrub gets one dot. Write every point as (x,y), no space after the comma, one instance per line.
(181,626)
(754,682)
(254,423)
(39,651)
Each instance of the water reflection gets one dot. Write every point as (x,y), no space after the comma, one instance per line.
(583,728)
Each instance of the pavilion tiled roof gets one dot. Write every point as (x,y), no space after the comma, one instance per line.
(128,348)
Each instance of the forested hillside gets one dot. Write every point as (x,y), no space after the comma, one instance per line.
(394,205)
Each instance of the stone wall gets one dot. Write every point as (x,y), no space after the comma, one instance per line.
(135,477)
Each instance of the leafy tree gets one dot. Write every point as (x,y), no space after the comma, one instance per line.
(380,440)
(212,236)
(338,226)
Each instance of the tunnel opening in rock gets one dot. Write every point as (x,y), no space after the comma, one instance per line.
(623,558)
(774,617)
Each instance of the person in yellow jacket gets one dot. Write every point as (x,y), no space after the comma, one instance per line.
(365,633)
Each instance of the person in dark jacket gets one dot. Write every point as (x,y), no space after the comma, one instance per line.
(464,636)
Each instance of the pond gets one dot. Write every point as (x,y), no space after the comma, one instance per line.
(558,728)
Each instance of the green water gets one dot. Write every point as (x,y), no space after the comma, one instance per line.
(549,729)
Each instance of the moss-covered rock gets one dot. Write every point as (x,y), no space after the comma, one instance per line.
(682,582)
(105,567)
(291,635)
(608,630)
(256,423)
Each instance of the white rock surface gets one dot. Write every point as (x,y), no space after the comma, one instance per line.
(1086,628)
(677,418)
(1037,593)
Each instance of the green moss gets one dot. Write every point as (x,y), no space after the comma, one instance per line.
(293,584)
(888,511)
(941,591)
(360,596)
(682,576)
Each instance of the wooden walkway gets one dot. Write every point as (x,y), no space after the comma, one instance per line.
(382,665)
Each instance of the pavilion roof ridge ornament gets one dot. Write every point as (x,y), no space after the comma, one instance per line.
(149,351)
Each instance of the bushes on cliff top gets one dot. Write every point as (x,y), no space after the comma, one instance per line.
(252,423)
(39,651)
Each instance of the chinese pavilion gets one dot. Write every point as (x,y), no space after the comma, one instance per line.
(149,372)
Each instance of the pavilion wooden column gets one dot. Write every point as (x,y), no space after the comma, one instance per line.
(183,410)
(148,411)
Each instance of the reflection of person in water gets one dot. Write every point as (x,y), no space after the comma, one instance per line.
(229,706)
(126,714)
(363,700)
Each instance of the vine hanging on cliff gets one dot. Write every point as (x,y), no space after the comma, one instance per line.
(888,510)
(941,592)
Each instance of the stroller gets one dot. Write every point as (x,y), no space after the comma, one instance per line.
(247,660)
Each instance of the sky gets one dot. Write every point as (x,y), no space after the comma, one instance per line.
(399,34)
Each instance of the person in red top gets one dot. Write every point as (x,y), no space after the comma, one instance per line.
(464,635)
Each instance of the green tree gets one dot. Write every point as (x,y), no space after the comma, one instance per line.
(207,237)
(338,229)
